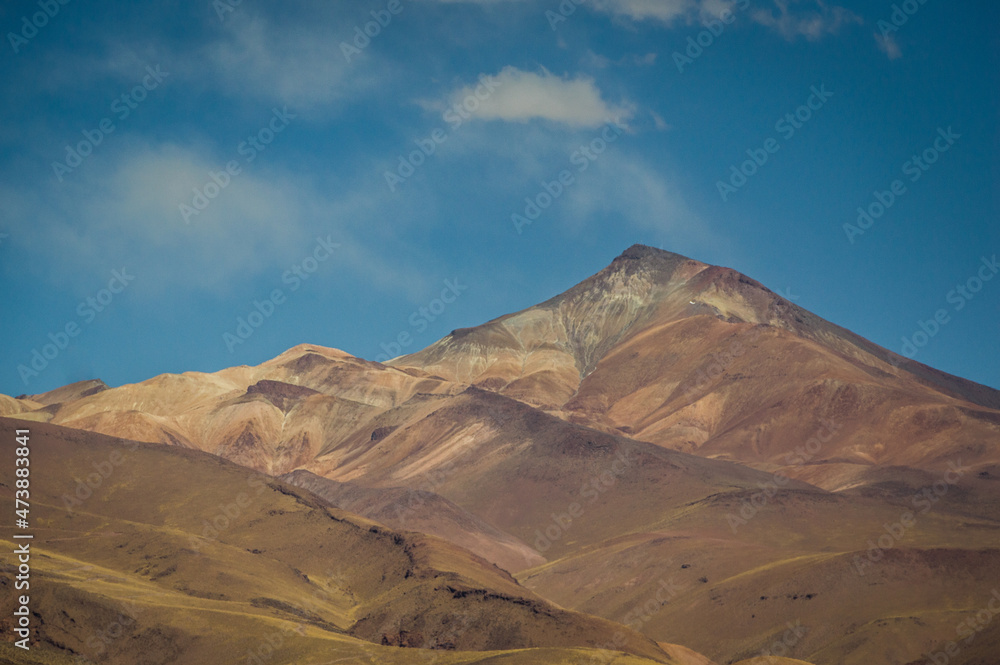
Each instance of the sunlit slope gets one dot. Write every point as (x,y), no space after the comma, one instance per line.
(273,417)
(620,521)
(425,512)
(804,558)
(528,472)
(702,359)
(656,346)
(195,541)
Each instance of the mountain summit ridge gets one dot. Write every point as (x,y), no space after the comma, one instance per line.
(698,357)
(644,282)
(667,349)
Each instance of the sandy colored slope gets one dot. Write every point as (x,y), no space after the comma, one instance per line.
(515,467)
(68,393)
(425,512)
(10,406)
(793,562)
(273,417)
(202,541)
(522,470)
(771,660)
(764,412)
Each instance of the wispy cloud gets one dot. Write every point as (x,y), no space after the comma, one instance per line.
(661,10)
(888,45)
(792,19)
(253,57)
(603,62)
(523,96)
(646,199)
(809,19)
(127,210)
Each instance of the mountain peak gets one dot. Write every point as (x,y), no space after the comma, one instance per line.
(639,251)
(68,392)
(651,263)
(649,258)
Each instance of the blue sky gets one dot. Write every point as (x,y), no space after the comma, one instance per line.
(116,116)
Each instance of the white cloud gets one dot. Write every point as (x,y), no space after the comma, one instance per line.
(519,96)
(668,11)
(250,57)
(811,19)
(623,188)
(661,10)
(255,58)
(603,62)
(888,45)
(618,188)
(126,211)
(658,121)
(716,8)
(791,21)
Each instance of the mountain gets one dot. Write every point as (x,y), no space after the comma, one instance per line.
(272,418)
(228,562)
(424,512)
(702,359)
(67,393)
(668,445)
